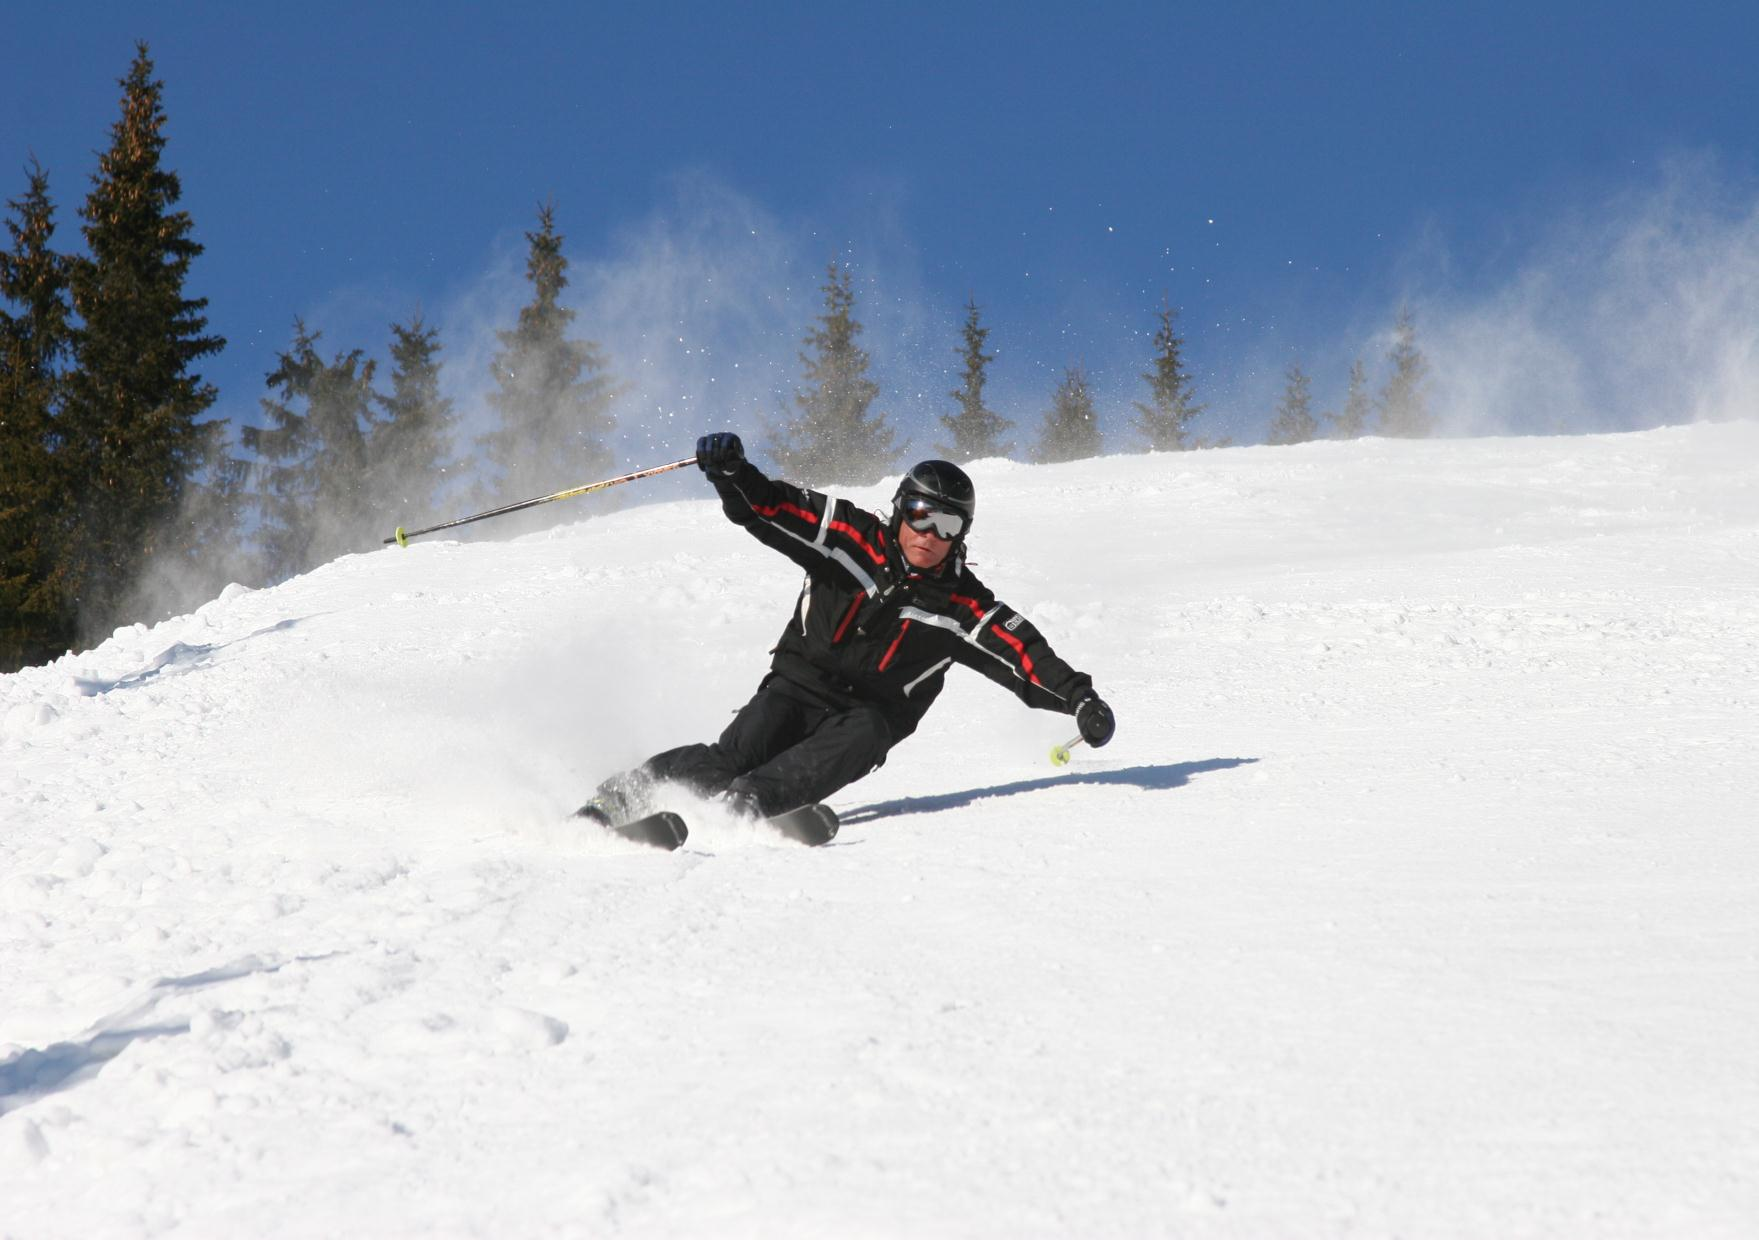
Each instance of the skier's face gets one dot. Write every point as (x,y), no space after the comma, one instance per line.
(922,550)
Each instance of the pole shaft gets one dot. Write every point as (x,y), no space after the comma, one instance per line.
(404,535)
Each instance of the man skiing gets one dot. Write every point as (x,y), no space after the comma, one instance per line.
(887,607)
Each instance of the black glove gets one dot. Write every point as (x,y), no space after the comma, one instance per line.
(1095,720)
(720,454)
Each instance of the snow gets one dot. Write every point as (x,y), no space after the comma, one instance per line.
(1418,894)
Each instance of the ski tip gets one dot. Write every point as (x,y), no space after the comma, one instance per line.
(662,830)
(812,825)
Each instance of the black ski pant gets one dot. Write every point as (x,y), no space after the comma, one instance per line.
(787,747)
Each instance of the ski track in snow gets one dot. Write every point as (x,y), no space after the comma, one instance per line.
(1418,894)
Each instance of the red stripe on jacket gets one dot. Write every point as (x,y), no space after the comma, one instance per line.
(893,648)
(1019,649)
(854,606)
(854,536)
(975,606)
(793,510)
(806,515)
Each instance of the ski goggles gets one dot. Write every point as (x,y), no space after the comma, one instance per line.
(926,517)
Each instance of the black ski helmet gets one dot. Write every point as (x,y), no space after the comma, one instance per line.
(944,483)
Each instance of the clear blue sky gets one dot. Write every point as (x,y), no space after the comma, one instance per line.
(1284,173)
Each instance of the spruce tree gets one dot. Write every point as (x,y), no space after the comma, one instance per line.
(312,485)
(976,428)
(553,394)
(1071,427)
(1404,404)
(833,437)
(411,447)
(283,482)
(211,551)
(1294,422)
(36,614)
(1352,423)
(130,428)
(1165,418)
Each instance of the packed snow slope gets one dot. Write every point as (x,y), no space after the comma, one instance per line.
(1418,894)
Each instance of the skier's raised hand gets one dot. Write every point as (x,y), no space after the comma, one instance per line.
(720,454)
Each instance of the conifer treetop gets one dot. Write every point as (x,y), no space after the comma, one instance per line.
(834,435)
(1164,420)
(976,428)
(1071,426)
(1294,422)
(1404,401)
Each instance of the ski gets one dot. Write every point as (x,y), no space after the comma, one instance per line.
(813,825)
(662,830)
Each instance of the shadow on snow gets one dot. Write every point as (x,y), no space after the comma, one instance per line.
(30,1075)
(176,657)
(1152,778)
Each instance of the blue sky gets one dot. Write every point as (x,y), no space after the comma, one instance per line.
(1285,174)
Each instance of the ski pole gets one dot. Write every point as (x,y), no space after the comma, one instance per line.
(402,536)
(1060,753)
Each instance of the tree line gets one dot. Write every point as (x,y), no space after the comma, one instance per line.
(111,476)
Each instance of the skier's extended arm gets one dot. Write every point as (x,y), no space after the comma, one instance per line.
(822,535)
(1008,648)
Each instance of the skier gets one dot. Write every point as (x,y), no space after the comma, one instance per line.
(886,608)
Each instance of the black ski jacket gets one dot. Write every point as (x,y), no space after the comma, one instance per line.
(871,628)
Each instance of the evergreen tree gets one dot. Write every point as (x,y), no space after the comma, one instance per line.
(552,394)
(977,429)
(1167,415)
(204,547)
(1294,421)
(36,614)
(1352,423)
(312,488)
(130,432)
(1404,405)
(1071,428)
(283,479)
(833,437)
(411,447)
(211,551)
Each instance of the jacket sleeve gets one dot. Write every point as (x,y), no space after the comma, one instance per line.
(1008,648)
(827,537)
